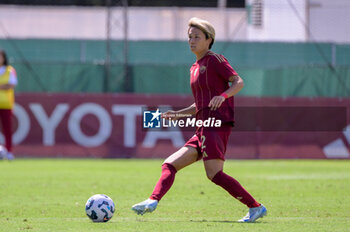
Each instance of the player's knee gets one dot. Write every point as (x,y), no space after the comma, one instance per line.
(210,175)
(169,166)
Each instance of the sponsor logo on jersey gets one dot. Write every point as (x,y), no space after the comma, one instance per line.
(202,69)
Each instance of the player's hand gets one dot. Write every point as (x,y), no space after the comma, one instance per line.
(216,102)
(169,114)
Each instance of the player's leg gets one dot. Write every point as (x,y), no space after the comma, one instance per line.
(178,160)
(214,170)
(213,145)
(7,130)
(1,127)
(182,158)
(5,118)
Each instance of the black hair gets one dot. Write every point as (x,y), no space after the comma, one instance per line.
(3,53)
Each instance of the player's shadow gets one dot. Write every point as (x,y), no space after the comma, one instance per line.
(223,221)
(201,221)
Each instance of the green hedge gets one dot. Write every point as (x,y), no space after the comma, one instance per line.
(269,69)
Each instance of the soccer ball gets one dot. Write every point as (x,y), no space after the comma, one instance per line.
(99,208)
(3,152)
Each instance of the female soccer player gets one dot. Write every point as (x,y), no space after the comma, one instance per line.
(8,81)
(210,78)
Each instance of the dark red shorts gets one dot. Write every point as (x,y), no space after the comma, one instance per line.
(210,142)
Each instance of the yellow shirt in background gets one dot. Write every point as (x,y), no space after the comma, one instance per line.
(7,96)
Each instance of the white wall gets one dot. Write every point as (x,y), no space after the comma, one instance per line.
(90,23)
(280,22)
(330,20)
(46,22)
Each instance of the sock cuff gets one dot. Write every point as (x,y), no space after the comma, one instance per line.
(169,167)
(216,179)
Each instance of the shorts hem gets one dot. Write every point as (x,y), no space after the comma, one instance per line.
(212,158)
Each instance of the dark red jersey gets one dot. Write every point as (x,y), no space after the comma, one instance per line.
(210,77)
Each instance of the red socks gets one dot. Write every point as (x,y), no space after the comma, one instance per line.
(231,185)
(235,189)
(165,182)
(6,119)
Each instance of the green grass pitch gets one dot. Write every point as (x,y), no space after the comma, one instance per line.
(50,195)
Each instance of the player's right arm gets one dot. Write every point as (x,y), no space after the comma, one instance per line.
(173,114)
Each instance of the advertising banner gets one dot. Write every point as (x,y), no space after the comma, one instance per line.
(118,126)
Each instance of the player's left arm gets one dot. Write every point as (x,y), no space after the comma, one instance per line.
(237,85)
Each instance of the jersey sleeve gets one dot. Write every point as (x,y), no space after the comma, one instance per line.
(222,67)
(13,77)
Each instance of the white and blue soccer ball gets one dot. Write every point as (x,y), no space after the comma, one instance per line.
(3,152)
(100,208)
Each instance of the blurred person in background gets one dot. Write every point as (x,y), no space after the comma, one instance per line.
(214,83)
(8,81)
